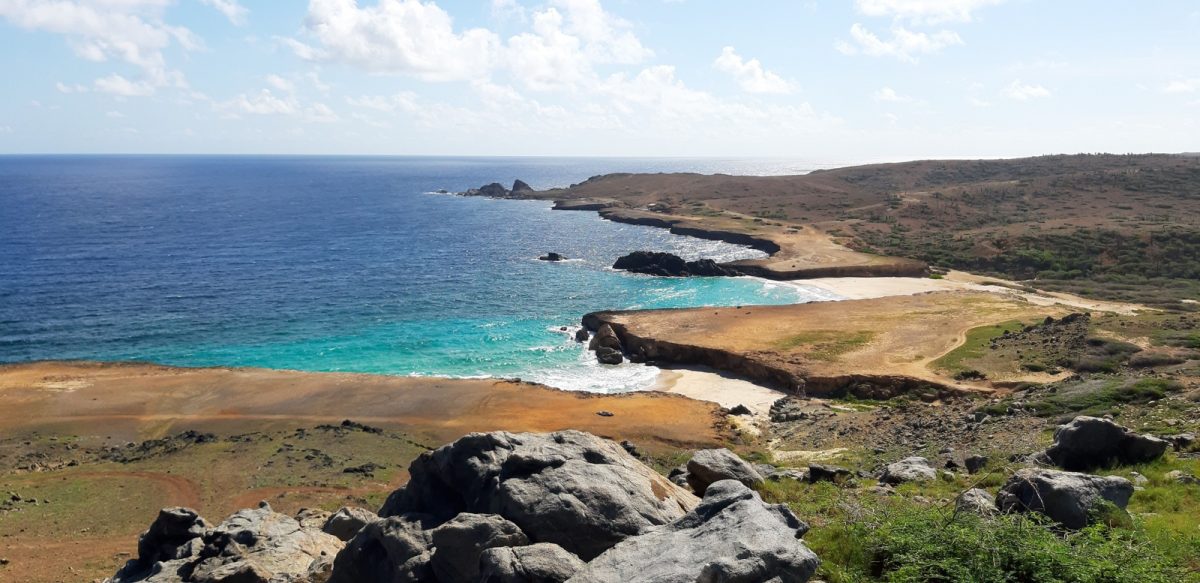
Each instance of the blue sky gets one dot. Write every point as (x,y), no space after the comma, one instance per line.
(831,81)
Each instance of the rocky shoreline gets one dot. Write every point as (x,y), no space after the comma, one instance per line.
(795,381)
(616,211)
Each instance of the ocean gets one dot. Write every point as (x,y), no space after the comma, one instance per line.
(334,264)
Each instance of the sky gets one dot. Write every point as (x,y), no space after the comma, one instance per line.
(826,80)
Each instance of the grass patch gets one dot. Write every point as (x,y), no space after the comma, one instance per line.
(975,346)
(863,537)
(826,345)
(1100,396)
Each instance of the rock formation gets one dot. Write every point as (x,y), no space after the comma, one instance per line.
(501,508)
(570,488)
(1088,442)
(607,346)
(911,469)
(731,536)
(251,546)
(668,265)
(713,465)
(1070,498)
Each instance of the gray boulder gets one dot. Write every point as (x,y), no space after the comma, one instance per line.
(392,550)
(1070,498)
(458,544)
(731,536)
(910,469)
(1088,442)
(573,489)
(581,335)
(713,465)
(251,546)
(347,521)
(976,501)
(538,563)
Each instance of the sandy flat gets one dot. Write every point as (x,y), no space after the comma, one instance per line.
(142,401)
(724,389)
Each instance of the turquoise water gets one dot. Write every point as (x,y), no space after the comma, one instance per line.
(330,264)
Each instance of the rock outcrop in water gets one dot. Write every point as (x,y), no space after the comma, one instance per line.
(519,190)
(668,265)
(498,508)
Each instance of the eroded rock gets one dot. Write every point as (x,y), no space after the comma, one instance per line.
(910,469)
(731,536)
(1089,442)
(1071,498)
(458,544)
(713,465)
(537,563)
(570,488)
(347,521)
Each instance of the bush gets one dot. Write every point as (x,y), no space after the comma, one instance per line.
(917,544)
(1154,359)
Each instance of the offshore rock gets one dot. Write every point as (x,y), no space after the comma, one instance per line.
(669,265)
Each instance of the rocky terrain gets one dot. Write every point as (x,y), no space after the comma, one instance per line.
(569,506)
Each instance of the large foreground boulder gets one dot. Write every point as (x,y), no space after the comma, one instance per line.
(573,489)
(251,546)
(538,563)
(731,536)
(459,543)
(1071,498)
(397,549)
(669,265)
(1088,442)
(713,465)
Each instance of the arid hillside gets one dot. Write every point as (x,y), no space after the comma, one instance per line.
(1113,226)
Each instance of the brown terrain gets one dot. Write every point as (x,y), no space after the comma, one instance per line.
(870,348)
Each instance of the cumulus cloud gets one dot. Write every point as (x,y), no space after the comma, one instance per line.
(280,83)
(887,94)
(1182,86)
(566,40)
(131,31)
(904,44)
(751,76)
(122,87)
(267,103)
(235,12)
(1025,91)
(396,36)
(924,11)
(74,88)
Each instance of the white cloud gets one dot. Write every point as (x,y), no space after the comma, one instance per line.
(750,74)
(1182,86)
(114,115)
(566,41)
(131,31)
(262,103)
(119,85)
(235,12)
(887,94)
(1024,92)
(977,102)
(905,44)
(76,88)
(6,130)
(924,11)
(280,83)
(508,10)
(396,36)
(317,83)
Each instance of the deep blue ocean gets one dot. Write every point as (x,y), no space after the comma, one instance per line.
(333,264)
